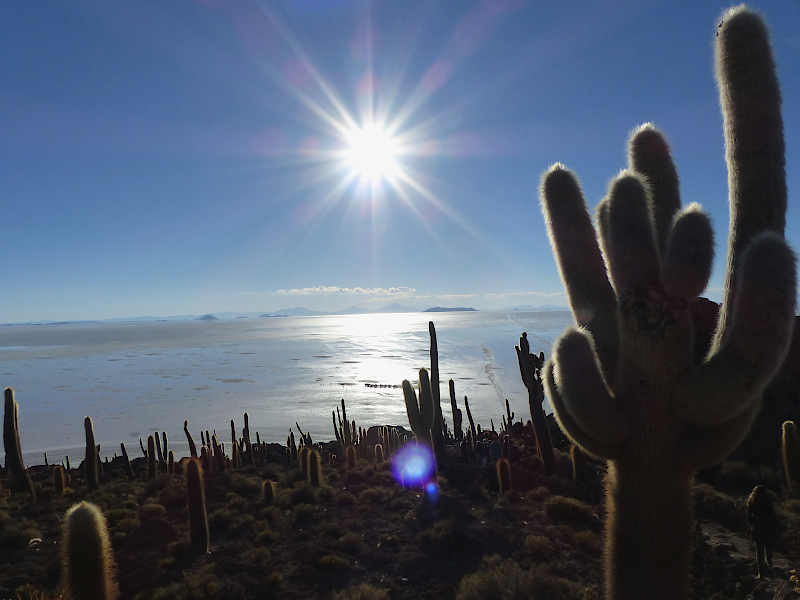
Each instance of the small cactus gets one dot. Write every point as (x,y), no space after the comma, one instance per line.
(151,457)
(504,475)
(128,467)
(88,565)
(314,468)
(350,455)
(91,462)
(378,454)
(58,480)
(270,493)
(791,456)
(196,500)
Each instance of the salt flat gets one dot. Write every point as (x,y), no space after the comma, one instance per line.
(138,377)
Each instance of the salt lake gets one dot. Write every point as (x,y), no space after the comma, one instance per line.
(134,378)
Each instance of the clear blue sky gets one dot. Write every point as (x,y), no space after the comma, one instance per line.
(162,158)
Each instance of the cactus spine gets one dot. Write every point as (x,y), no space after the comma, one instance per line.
(625,385)
(92,459)
(196,500)
(87,560)
(12,446)
(791,456)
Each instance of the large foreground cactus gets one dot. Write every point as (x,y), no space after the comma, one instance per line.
(625,385)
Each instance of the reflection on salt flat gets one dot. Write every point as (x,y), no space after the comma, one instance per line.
(135,378)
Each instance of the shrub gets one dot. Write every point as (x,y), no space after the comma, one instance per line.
(540,546)
(333,562)
(560,508)
(363,591)
(507,581)
(350,542)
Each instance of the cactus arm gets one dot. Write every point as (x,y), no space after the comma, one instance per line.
(754,145)
(649,156)
(756,342)
(412,408)
(570,427)
(579,261)
(583,391)
(689,254)
(703,446)
(630,245)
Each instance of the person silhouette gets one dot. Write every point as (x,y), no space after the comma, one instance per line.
(765,529)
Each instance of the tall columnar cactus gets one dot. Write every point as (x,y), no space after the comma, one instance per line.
(128,467)
(437,427)
(625,385)
(791,456)
(151,457)
(92,460)
(196,501)
(12,446)
(503,475)
(458,432)
(314,468)
(190,439)
(420,416)
(530,368)
(88,565)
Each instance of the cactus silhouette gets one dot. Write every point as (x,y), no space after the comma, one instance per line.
(190,439)
(151,457)
(791,456)
(625,385)
(92,459)
(421,416)
(12,446)
(196,500)
(504,475)
(58,480)
(269,492)
(314,468)
(87,560)
(128,467)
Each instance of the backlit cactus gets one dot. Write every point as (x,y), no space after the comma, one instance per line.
(504,475)
(88,565)
(190,439)
(12,445)
(151,457)
(790,450)
(625,385)
(92,460)
(420,415)
(196,501)
(269,492)
(314,468)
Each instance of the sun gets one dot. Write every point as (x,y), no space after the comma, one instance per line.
(371,153)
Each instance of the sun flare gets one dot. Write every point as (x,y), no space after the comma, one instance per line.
(371,153)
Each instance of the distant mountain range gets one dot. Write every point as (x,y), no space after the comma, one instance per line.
(297,311)
(528,307)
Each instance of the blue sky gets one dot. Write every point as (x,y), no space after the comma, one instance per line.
(191,157)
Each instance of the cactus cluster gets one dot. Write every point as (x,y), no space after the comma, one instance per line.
(625,384)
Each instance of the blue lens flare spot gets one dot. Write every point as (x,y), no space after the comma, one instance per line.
(413,465)
(432,491)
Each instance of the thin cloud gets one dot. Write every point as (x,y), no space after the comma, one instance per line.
(534,294)
(392,292)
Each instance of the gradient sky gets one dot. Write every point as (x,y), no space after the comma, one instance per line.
(163,158)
